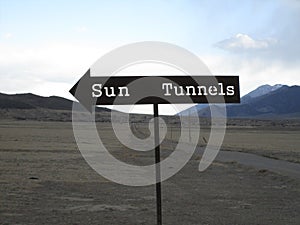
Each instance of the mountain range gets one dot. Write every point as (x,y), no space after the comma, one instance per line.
(32,101)
(261,90)
(34,107)
(266,101)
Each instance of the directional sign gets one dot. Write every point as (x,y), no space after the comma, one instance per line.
(156,89)
(103,89)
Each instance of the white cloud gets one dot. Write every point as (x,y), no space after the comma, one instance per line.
(52,68)
(7,35)
(37,69)
(253,71)
(81,29)
(243,42)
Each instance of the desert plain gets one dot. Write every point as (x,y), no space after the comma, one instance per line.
(45,180)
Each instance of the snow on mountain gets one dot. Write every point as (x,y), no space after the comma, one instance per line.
(262,90)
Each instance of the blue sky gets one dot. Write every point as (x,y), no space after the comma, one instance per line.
(45,46)
(191,24)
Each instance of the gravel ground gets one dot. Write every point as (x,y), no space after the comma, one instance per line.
(45,180)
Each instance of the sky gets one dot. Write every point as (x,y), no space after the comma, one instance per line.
(46,46)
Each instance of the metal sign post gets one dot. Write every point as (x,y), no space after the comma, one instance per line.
(155,90)
(157,165)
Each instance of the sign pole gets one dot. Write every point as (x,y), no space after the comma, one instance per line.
(157,165)
(159,90)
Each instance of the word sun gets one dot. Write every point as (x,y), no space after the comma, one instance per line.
(98,90)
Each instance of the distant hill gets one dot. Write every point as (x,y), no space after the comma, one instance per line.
(267,101)
(33,107)
(283,102)
(31,101)
(261,90)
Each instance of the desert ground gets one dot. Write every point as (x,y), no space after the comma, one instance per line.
(45,180)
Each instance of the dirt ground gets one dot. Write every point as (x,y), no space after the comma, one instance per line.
(274,142)
(45,180)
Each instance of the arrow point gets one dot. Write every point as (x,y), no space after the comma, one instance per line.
(81,91)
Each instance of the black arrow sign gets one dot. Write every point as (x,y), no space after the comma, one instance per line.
(99,90)
(155,90)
